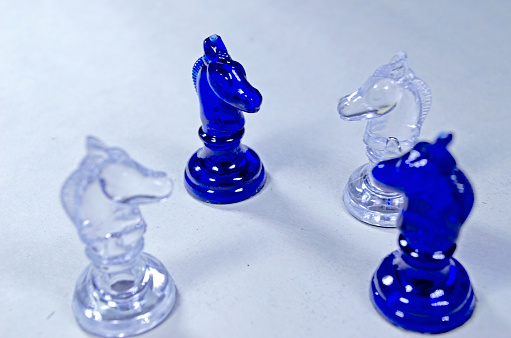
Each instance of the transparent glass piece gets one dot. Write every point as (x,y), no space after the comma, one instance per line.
(123,292)
(421,287)
(395,102)
(224,170)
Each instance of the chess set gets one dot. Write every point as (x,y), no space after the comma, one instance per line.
(410,185)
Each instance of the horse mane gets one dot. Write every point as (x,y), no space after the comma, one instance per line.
(459,197)
(424,93)
(398,69)
(74,187)
(196,68)
(68,194)
(464,193)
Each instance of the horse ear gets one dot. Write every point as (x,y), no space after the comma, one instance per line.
(94,145)
(400,56)
(399,66)
(214,48)
(444,139)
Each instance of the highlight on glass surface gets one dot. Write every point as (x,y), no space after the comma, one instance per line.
(395,103)
(224,170)
(420,286)
(124,291)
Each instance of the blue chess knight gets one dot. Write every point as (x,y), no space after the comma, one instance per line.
(224,170)
(421,287)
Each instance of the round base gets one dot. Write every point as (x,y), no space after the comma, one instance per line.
(131,312)
(369,203)
(435,311)
(223,187)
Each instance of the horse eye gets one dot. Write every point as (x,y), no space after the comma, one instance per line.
(224,75)
(375,94)
(383,92)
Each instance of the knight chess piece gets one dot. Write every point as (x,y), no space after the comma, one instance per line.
(124,291)
(224,170)
(421,287)
(395,102)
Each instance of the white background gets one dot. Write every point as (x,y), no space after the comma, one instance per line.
(289,262)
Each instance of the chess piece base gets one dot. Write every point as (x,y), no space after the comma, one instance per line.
(229,183)
(436,311)
(369,203)
(131,311)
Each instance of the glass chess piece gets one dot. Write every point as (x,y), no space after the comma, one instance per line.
(421,287)
(124,291)
(224,170)
(395,102)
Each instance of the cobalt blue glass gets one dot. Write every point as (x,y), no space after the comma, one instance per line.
(224,170)
(421,287)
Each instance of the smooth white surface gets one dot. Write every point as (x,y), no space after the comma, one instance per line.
(290,262)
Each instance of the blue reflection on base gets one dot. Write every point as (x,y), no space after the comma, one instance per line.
(421,287)
(224,171)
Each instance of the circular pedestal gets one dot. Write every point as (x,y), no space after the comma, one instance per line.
(437,310)
(134,310)
(370,203)
(228,183)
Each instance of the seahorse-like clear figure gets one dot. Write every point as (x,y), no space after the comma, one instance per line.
(124,291)
(395,102)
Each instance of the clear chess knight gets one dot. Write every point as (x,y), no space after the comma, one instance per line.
(395,103)
(124,291)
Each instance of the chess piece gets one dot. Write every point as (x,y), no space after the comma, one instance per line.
(421,287)
(224,170)
(395,102)
(124,291)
